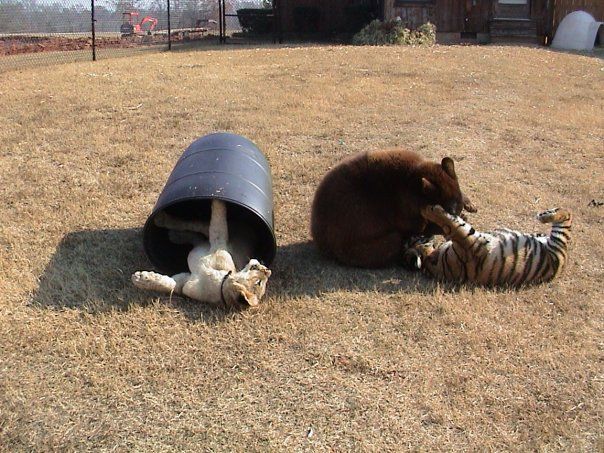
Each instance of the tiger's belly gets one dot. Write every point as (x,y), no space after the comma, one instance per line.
(511,261)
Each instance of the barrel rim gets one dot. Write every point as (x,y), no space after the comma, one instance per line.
(267,260)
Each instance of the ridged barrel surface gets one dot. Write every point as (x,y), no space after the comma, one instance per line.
(221,166)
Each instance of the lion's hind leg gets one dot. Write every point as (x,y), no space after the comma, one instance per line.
(185,237)
(165,220)
(153,281)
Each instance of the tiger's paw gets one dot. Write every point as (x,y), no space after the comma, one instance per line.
(434,213)
(555,215)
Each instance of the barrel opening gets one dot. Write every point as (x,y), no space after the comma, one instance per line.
(171,258)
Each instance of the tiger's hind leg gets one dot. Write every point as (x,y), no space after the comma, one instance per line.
(561,221)
(556,215)
(556,244)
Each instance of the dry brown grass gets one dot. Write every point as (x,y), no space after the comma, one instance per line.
(370,360)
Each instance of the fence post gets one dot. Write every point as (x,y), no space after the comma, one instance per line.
(169,29)
(220,20)
(92,23)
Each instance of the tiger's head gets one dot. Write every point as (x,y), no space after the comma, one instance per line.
(417,250)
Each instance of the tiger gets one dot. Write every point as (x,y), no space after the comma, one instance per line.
(500,258)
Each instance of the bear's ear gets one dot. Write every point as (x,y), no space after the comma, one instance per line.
(428,188)
(449,167)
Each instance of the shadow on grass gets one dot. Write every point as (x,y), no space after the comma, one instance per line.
(91,269)
(300,270)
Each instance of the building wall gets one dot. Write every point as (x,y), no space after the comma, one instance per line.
(456,16)
(449,16)
(563,7)
(332,15)
(412,14)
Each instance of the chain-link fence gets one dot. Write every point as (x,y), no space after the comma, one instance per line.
(36,32)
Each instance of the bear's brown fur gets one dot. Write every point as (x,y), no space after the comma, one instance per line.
(367,206)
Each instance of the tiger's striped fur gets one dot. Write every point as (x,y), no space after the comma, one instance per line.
(499,258)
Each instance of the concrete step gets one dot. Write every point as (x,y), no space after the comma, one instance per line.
(520,28)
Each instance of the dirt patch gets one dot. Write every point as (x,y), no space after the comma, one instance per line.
(15,45)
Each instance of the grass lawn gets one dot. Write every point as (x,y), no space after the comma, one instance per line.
(335,358)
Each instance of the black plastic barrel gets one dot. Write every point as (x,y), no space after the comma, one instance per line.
(221,166)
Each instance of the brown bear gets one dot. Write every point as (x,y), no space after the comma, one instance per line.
(368,206)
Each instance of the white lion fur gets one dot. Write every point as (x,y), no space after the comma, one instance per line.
(213,276)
